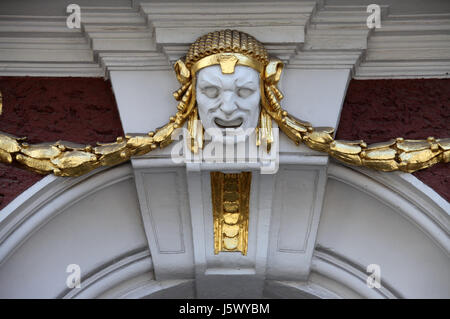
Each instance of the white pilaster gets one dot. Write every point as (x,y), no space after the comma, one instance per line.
(163,198)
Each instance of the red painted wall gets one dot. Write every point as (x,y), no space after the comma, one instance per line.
(83,110)
(378,110)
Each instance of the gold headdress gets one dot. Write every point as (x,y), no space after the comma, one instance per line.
(226,48)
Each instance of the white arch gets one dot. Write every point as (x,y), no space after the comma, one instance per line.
(405,194)
(31,210)
(333,275)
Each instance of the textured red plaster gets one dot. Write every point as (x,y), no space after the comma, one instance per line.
(81,110)
(378,110)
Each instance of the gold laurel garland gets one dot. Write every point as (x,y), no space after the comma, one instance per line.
(69,159)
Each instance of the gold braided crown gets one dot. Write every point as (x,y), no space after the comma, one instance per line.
(226,41)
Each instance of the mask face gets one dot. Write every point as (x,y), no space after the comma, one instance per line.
(228,101)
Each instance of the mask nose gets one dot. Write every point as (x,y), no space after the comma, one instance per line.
(228,103)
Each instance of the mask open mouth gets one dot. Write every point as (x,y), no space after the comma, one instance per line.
(228,124)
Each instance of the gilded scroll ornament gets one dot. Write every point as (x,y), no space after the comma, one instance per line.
(228,49)
(230,193)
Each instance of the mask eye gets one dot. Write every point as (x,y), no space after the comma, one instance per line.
(211,92)
(244,92)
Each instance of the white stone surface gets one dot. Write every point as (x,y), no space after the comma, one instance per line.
(296,210)
(83,226)
(150,35)
(166,216)
(144,98)
(367,231)
(367,218)
(312,95)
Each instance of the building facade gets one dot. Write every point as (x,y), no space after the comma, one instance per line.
(147,228)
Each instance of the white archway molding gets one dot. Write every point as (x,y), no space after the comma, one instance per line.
(279,289)
(337,269)
(404,194)
(46,199)
(389,220)
(91,221)
(111,275)
(332,277)
(334,273)
(141,287)
(132,277)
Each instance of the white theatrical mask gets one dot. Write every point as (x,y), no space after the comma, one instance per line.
(228,102)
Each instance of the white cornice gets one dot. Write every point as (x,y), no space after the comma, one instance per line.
(280,24)
(151,36)
(409,46)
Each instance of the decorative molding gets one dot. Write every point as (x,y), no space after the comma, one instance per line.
(276,289)
(230,194)
(408,46)
(107,276)
(143,287)
(163,199)
(289,224)
(231,267)
(410,203)
(28,213)
(296,208)
(161,214)
(177,25)
(178,232)
(414,191)
(44,46)
(130,277)
(351,276)
(152,35)
(332,277)
(335,38)
(122,39)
